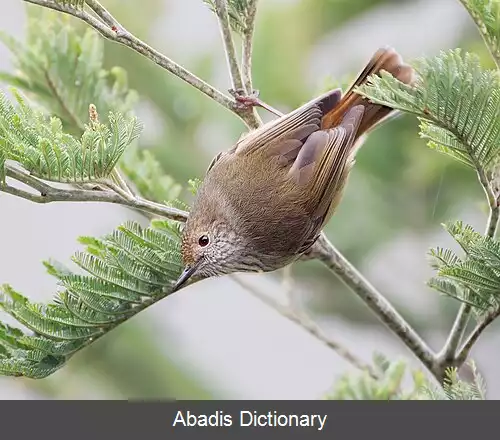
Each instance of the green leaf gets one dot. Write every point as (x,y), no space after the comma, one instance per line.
(194,185)
(3,158)
(38,143)
(63,70)
(388,385)
(486,14)
(142,168)
(127,271)
(453,388)
(473,279)
(457,102)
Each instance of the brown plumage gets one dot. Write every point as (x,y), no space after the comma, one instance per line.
(264,202)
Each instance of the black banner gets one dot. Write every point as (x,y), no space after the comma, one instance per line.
(94,420)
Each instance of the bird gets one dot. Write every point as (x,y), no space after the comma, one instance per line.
(264,202)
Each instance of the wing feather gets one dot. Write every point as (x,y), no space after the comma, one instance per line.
(297,125)
(329,172)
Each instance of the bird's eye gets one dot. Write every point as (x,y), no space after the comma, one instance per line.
(203,240)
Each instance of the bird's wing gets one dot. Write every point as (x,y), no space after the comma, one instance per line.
(323,163)
(284,136)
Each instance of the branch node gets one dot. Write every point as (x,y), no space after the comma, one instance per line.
(245,102)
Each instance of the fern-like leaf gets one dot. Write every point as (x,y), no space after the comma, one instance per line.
(389,385)
(486,15)
(454,388)
(473,279)
(127,270)
(457,101)
(39,144)
(142,168)
(63,70)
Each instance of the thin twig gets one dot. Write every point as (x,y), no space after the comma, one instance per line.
(237,86)
(104,15)
(65,109)
(227,38)
(310,326)
(247,46)
(49,194)
(117,189)
(121,183)
(491,228)
(6,188)
(448,355)
(324,251)
(464,351)
(483,30)
(117,33)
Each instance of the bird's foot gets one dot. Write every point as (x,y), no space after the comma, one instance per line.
(246,102)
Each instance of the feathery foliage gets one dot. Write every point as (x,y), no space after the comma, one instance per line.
(62,70)
(486,15)
(457,102)
(387,387)
(473,279)
(238,11)
(142,168)
(39,144)
(455,388)
(125,272)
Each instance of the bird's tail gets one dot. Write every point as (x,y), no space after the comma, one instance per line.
(384,59)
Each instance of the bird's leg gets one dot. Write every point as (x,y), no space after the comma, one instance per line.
(252,100)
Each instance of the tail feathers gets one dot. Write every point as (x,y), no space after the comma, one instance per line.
(384,59)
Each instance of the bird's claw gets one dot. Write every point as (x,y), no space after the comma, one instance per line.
(245,101)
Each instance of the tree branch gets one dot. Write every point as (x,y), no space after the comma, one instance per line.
(112,30)
(483,30)
(49,194)
(325,252)
(251,116)
(227,38)
(448,355)
(309,326)
(247,47)
(464,351)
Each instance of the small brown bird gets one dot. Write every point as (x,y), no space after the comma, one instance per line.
(264,202)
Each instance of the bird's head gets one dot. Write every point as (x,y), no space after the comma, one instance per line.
(211,245)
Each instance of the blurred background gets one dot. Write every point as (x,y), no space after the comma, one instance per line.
(214,340)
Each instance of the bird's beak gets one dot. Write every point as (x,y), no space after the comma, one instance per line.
(185,275)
